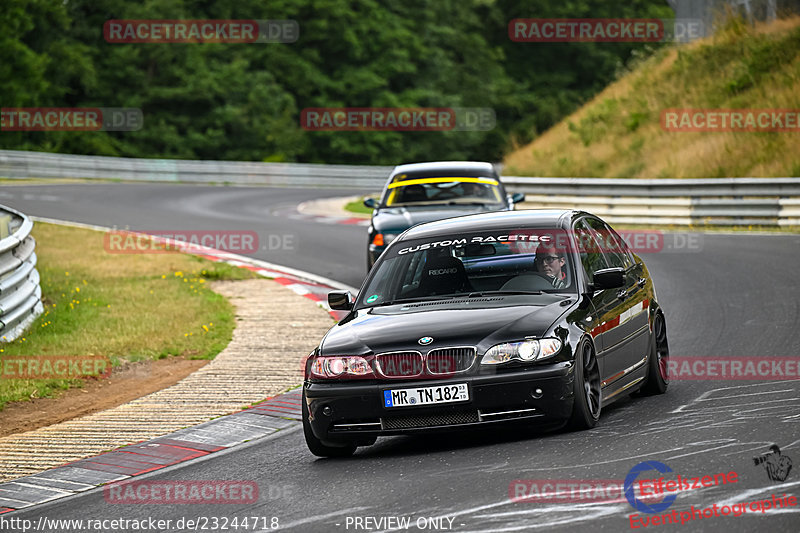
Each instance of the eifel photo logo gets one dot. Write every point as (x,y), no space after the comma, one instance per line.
(777,465)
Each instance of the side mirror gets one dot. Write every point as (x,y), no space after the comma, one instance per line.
(340,300)
(609,278)
(517,197)
(372,203)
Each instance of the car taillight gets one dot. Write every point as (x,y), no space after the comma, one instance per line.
(378,239)
(352,366)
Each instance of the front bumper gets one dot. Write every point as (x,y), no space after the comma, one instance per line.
(355,411)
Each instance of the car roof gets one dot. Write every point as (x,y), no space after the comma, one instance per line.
(439,166)
(531,218)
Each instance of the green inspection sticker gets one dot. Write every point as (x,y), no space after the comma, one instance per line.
(372,298)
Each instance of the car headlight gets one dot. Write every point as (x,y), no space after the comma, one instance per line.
(340,366)
(525,351)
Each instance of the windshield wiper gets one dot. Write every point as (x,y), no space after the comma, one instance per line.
(496,293)
(409,300)
(453,297)
(417,204)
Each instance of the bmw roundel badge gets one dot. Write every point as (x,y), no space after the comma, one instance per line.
(425,341)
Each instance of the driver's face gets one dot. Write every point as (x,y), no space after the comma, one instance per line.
(548,262)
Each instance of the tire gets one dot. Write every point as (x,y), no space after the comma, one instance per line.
(318,447)
(657,375)
(587,396)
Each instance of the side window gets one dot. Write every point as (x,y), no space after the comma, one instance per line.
(622,246)
(590,250)
(612,247)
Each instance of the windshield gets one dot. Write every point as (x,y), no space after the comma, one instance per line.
(513,261)
(404,191)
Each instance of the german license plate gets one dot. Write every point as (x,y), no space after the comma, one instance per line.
(456,392)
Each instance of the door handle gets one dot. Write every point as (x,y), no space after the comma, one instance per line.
(622,294)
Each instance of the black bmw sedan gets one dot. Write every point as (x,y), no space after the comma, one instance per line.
(423,192)
(495,318)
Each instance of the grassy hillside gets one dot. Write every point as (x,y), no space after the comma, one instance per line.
(619,133)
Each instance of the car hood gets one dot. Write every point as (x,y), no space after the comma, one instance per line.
(480,322)
(402,218)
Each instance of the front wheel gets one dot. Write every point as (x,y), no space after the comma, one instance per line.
(657,373)
(318,447)
(586,390)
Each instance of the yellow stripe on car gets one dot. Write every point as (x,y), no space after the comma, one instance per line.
(405,183)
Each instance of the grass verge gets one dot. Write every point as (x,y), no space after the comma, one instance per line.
(357,206)
(127,307)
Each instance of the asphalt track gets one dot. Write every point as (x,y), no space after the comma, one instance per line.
(726,295)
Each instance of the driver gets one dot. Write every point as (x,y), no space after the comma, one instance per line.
(550,262)
(474,190)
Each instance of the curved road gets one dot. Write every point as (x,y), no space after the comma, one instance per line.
(729,295)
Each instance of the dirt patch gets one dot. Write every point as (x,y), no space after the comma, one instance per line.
(134,381)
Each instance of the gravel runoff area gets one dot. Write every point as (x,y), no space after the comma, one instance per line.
(331,207)
(276,329)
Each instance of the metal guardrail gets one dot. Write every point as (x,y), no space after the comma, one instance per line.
(20,293)
(19,164)
(696,202)
(717,201)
